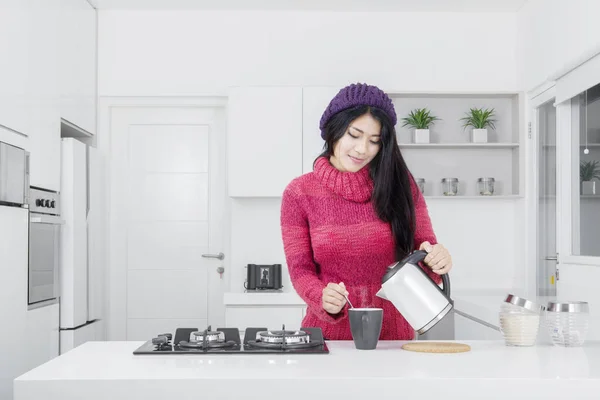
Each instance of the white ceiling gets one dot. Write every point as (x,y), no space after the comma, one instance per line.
(321,5)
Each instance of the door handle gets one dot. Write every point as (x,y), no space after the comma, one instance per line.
(551,258)
(220,256)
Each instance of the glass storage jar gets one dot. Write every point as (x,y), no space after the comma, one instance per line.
(568,322)
(450,186)
(519,321)
(485,186)
(421,184)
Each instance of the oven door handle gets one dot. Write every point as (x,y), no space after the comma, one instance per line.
(46,219)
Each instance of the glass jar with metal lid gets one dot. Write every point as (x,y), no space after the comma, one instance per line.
(485,186)
(450,186)
(568,322)
(520,321)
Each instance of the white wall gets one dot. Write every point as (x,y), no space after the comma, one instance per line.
(256,238)
(552,34)
(195,52)
(204,52)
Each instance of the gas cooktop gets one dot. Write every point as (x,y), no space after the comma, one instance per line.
(227,341)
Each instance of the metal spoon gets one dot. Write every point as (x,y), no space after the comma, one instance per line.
(348,300)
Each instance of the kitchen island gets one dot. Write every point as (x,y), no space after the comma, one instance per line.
(491,370)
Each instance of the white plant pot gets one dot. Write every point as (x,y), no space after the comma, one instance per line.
(479,136)
(421,136)
(588,187)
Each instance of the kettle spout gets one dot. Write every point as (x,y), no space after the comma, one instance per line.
(381,294)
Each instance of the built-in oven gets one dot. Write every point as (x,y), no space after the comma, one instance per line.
(44,246)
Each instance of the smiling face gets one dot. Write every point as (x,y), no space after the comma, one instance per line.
(358,146)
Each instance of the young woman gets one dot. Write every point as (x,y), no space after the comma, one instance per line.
(358,212)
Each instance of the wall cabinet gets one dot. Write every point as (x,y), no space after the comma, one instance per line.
(14,26)
(28,77)
(266,138)
(42,91)
(264,143)
(314,102)
(49,73)
(78,29)
(451,153)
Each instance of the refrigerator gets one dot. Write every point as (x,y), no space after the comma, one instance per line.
(83,255)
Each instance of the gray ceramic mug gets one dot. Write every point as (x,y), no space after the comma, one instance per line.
(365,324)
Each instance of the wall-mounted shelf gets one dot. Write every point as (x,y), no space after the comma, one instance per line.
(582,146)
(458,145)
(455,155)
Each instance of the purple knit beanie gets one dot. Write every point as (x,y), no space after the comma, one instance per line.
(358,94)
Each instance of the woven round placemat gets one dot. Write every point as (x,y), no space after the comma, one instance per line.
(436,347)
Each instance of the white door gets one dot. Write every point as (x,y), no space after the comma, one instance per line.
(167,201)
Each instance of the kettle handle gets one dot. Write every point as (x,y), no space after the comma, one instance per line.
(446,285)
(418,256)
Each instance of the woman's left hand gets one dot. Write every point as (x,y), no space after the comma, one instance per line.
(438,259)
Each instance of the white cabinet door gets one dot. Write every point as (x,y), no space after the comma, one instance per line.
(42,335)
(13,67)
(97,228)
(314,102)
(264,142)
(78,64)
(14,239)
(42,92)
(73,235)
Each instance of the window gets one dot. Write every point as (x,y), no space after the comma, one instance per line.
(585,147)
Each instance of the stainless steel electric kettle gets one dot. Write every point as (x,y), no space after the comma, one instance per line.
(418,298)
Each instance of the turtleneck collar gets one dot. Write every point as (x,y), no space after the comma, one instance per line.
(352,186)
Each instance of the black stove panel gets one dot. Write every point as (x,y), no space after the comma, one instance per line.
(227,341)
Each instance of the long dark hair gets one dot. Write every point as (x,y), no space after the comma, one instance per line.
(392,194)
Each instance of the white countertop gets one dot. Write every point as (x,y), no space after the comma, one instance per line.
(109,370)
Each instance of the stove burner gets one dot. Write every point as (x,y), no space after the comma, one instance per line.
(283,336)
(211,336)
(282,340)
(206,339)
(206,345)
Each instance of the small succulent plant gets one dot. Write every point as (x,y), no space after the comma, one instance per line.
(420,118)
(479,118)
(589,170)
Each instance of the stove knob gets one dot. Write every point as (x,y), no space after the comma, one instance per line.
(53,204)
(159,340)
(39,203)
(167,335)
(47,203)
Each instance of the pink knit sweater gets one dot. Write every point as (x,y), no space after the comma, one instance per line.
(331,233)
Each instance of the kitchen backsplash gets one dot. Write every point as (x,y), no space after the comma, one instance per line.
(485,241)
(255,238)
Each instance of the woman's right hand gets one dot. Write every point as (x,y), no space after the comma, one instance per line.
(333,297)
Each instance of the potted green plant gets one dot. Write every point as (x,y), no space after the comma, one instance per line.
(480,120)
(588,171)
(420,119)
